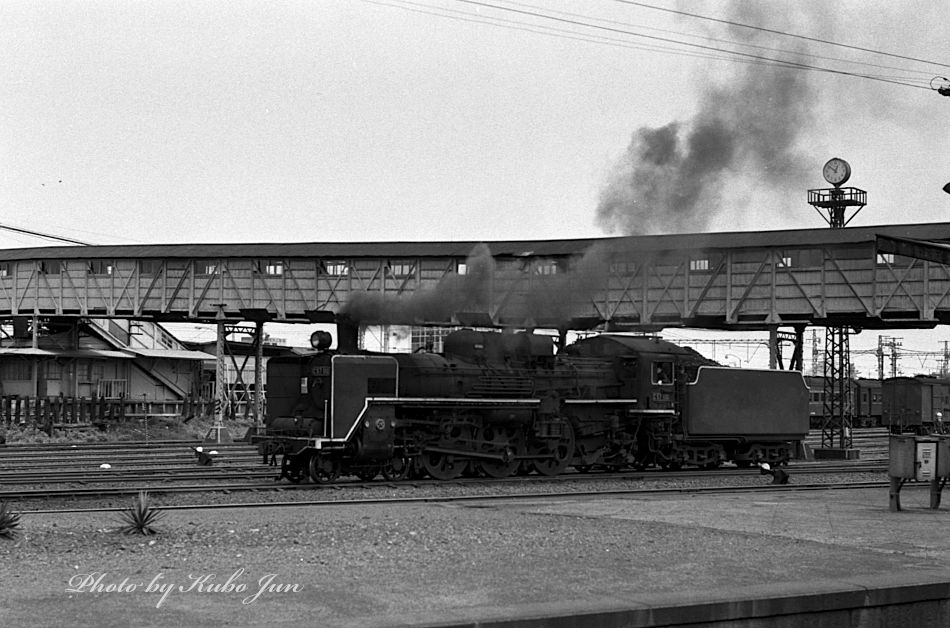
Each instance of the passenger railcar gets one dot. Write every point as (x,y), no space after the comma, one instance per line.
(498,403)
(866,401)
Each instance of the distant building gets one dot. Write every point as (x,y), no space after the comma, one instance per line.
(104,358)
(403,338)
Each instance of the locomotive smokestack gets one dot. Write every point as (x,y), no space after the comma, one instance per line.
(347,335)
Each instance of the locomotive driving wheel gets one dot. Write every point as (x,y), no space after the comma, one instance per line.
(505,441)
(324,469)
(557,451)
(443,466)
(448,466)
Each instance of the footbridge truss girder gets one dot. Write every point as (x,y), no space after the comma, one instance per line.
(864,277)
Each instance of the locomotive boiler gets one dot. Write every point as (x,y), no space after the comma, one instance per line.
(496,404)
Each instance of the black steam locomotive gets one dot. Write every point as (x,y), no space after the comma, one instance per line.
(496,404)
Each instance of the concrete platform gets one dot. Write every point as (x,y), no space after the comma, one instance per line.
(911,587)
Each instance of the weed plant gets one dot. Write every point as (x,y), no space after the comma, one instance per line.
(141,517)
(9,521)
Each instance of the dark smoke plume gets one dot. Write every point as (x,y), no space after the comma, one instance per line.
(672,177)
(454,293)
(521,299)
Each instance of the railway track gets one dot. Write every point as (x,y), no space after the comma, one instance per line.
(56,471)
(124,485)
(162,472)
(495,497)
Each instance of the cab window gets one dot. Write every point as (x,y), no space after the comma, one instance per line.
(663,372)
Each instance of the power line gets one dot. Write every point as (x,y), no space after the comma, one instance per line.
(778,32)
(926,73)
(720,53)
(772,60)
(560,33)
(48,236)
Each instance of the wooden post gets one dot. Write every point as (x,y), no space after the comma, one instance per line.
(895,494)
(936,487)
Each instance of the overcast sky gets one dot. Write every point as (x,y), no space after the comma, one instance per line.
(226,121)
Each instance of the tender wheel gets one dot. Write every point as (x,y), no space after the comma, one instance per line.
(323,469)
(561,448)
(397,469)
(290,469)
(443,466)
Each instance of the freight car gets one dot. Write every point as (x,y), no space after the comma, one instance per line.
(495,404)
(920,404)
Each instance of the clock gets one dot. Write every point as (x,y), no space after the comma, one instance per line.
(836,171)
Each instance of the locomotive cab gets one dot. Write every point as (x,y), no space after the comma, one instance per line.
(298,394)
(325,401)
(661,382)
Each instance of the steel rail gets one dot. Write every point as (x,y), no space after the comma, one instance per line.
(166,473)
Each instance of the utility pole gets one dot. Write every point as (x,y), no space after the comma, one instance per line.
(880,357)
(892,345)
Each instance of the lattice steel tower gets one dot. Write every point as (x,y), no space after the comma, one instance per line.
(833,204)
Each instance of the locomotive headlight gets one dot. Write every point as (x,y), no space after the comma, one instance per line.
(366,423)
(380,424)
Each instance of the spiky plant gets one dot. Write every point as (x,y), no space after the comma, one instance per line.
(141,517)
(9,521)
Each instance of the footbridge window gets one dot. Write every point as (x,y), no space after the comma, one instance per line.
(100,267)
(271,268)
(336,268)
